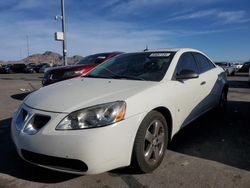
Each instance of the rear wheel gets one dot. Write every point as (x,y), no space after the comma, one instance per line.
(150,142)
(223,100)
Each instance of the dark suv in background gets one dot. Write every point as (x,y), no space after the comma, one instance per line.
(30,68)
(5,68)
(18,68)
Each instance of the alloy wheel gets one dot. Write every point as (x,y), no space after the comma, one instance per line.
(154,142)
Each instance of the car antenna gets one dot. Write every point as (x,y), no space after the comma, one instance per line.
(146,49)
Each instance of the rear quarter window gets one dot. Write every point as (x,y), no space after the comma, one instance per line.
(203,62)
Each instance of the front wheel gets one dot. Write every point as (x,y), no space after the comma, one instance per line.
(150,142)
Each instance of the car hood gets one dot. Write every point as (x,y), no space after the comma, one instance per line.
(78,93)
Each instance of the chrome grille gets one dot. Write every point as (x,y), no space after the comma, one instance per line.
(21,119)
(25,114)
(26,120)
(39,121)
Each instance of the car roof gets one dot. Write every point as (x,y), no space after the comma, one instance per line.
(171,50)
(163,50)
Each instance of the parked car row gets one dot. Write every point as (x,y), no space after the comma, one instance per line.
(123,112)
(245,67)
(5,68)
(232,68)
(24,68)
(237,66)
(228,68)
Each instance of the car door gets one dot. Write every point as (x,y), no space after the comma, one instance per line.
(210,87)
(188,95)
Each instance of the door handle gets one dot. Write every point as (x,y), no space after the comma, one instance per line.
(202,83)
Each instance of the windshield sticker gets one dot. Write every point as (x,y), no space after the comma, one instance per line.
(101,57)
(159,55)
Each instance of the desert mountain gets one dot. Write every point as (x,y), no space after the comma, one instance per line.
(46,57)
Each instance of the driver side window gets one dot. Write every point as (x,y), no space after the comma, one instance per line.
(186,62)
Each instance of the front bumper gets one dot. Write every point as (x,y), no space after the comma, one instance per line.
(101,149)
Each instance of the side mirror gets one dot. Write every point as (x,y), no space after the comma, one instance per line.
(186,74)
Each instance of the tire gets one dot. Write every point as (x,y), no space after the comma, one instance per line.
(150,143)
(223,99)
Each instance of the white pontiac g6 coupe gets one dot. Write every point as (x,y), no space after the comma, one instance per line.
(124,112)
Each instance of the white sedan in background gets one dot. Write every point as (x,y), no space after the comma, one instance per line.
(122,113)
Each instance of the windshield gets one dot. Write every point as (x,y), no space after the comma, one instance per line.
(93,59)
(149,66)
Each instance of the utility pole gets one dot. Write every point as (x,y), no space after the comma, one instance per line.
(21,53)
(64,33)
(28,45)
(61,36)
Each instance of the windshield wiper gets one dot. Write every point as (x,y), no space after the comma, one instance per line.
(126,77)
(93,76)
(115,77)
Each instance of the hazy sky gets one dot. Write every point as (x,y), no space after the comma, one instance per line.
(220,28)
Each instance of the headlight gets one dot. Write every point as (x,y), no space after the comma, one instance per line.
(72,73)
(95,116)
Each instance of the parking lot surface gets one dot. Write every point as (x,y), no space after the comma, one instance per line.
(213,151)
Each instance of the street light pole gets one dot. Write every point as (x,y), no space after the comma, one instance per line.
(28,45)
(64,33)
